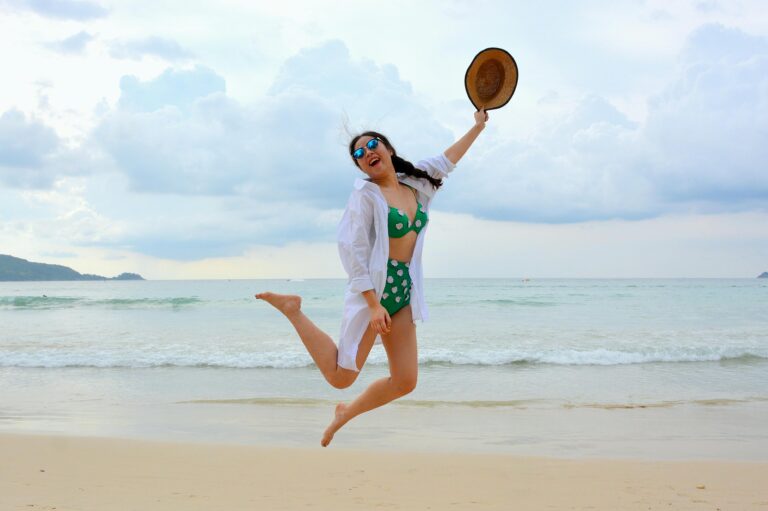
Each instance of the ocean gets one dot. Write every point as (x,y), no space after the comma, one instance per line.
(576,367)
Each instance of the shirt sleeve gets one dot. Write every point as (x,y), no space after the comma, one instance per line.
(438,166)
(354,241)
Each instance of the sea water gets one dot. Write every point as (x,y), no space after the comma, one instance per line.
(534,359)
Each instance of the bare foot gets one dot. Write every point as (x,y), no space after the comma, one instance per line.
(339,420)
(284,303)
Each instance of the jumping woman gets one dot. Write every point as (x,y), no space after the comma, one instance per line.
(380,238)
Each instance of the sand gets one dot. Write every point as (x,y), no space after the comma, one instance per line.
(85,473)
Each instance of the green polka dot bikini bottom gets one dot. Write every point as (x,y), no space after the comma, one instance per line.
(397,290)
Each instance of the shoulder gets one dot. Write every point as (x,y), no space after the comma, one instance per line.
(362,196)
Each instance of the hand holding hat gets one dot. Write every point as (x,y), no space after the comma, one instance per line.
(491,79)
(481,116)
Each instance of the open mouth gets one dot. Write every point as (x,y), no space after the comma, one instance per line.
(374,161)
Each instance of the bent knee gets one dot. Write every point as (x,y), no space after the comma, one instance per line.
(341,384)
(405,385)
(342,378)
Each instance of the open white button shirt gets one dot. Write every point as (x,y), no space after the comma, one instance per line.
(363,238)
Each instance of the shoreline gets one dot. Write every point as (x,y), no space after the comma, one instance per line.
(86,473)
(687,432)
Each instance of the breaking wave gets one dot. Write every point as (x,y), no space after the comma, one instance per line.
(147,356)
(67,302)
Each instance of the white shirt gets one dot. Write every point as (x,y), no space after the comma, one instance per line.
(363,239)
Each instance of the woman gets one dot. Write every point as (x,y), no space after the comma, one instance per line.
(380,237)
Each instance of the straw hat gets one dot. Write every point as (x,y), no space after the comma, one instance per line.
(491,78)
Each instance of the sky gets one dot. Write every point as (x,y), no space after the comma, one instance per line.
(207,140)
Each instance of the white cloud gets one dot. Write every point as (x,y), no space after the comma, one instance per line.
(26,148)
(59,9)
(32,156)
(181,134)
(173,87)
(73,44)
(153,46)
(23,142)
(270,172)
(71,219)
(701,147)
(709,126)
(621,114)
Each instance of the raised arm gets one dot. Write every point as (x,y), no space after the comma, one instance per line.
(457,150)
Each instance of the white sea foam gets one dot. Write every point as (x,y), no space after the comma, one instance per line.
(592,357)
(69,302)
(483,322)
(190,357)
(150,358)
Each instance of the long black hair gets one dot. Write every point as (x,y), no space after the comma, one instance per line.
(401,166)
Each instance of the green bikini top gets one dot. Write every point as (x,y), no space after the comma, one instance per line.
(399,224)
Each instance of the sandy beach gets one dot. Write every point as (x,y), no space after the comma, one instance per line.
(86,473)
(599,394)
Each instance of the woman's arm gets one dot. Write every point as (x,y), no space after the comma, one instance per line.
(355,251)
(353,241)
(457,150)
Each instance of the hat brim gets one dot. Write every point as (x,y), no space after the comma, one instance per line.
(506,63)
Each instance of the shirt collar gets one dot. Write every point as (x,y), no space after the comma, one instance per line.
(361,183)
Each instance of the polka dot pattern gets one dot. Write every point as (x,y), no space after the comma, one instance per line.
(400,224)
(398,292)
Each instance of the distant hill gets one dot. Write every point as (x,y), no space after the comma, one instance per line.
(763,275)
(14,268)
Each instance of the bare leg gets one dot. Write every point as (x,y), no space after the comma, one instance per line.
(320,346)
(400,345)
